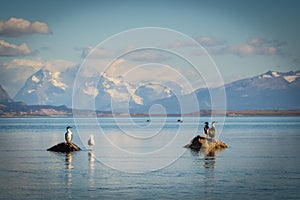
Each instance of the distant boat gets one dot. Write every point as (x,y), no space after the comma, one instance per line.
(179,120)
(91,141)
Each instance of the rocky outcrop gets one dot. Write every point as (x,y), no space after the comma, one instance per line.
(205,142)
(64,147)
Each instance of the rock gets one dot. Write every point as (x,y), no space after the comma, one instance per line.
(64,147)
(205,142)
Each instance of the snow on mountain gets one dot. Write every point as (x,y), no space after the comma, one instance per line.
(271,90)
(120,95)
(119,90)
(55,88)
(291,78)
(288,76)
(43,88)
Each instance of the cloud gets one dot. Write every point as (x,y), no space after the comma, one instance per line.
(8,49)
(254,46)
(95,53)
(59,65)
(178,44)
(259,42)
(15,72)
(139,55)
(15,27)
(208,41)
(25,63)
(205,41)
(146,55)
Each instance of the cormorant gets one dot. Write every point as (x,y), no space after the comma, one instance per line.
(206,128)
(68,135)
(212,130)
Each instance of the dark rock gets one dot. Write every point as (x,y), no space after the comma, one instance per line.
(205,142)
(64,147)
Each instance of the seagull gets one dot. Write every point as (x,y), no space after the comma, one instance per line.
(212,130)
(68,135)
(91,141)
(206,128)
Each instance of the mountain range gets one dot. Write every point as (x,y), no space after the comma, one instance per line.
(268,91)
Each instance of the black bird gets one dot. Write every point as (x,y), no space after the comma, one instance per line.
(206,128)
(68,135)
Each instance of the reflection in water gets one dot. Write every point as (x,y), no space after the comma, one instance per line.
(69,160)
(209,159)
(92,168)
(69,168)
(92,161)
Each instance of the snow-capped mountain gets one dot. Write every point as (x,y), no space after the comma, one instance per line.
(268,91)
(271,90)
(109,93)
(119,95)
(44,88)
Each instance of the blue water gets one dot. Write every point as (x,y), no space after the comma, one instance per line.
(262,161)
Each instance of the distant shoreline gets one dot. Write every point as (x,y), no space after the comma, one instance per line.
(86,113)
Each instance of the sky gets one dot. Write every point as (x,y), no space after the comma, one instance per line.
(242,38)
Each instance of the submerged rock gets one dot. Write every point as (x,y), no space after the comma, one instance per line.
(64,147)
(206,142)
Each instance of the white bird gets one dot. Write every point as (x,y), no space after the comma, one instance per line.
(68,135)
(212,130)
(91,141)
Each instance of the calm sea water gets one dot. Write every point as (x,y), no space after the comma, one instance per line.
(135,159)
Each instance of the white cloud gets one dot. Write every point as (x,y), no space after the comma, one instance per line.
(208,41)
(97,53)
(250,50)
(256,41)
(241,50)
(205,41)
(15,27)
(177,44)
(8,49)
(142,55)
(146,55)
(254,46)
(23,63)
(15,72)
(59,65)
